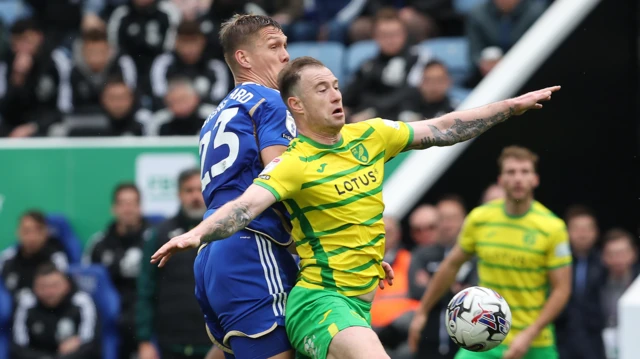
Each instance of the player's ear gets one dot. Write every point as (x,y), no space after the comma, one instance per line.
(536,180)
(295,104)
(242,59)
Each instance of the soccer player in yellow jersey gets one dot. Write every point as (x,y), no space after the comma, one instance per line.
(330,179)
(523,254)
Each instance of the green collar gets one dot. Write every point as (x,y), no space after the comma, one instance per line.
(321,146)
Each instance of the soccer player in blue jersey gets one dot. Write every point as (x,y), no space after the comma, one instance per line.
(242,285)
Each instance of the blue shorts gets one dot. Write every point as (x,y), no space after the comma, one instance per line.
(242,284)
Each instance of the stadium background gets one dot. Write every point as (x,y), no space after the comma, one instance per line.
(587,139)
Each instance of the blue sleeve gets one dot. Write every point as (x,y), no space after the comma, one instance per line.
(274,124)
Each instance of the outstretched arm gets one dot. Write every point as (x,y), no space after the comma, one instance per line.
(227,220)
(460,126)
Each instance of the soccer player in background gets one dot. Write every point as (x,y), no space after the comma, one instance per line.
(330,178)
(523,254)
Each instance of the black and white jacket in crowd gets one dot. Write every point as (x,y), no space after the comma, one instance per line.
(165,123)
(17,270)
(210,77)
(144,33)
(87,85)
(38,331)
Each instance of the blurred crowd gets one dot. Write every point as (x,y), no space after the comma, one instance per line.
(155,67)
(159,315)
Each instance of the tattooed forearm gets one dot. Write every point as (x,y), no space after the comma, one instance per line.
(238,217)
(448,132)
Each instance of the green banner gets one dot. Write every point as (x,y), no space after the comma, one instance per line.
(76,177)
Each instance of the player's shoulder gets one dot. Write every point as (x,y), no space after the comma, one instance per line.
(540,213)
(487,212)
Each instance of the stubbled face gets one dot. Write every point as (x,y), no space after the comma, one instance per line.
(117,100)
(32,235)
(27,43)
(191,197)
(320,100)
(518,178)
(96,54)
(126,208)
(51,289)
(583,233)
(435,83)
(190,48)
(618,256)
(268,54)
(391,36)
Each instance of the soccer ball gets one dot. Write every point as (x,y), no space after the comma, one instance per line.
(478,319)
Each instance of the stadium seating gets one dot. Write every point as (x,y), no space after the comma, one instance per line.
(458,94)
(357,54)
(5,321)
(94,280)
(10,10)
(330,53)
(452,51)
(61,228)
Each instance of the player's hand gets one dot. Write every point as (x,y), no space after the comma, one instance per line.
(520,345)
(177,244)
(388,275)
(531,100)
(415,329)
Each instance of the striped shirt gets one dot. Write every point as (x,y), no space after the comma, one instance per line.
(515,255)
(334,195)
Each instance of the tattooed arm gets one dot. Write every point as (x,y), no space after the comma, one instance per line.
(460,126)
(224,222)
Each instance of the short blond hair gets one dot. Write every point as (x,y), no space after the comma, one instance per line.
(519,153)
(239,30)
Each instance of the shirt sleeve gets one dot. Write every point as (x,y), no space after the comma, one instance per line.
(559,252)
(467,239)
(396,135)
(274,125)
(279,177)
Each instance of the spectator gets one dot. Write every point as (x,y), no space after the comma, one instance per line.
(210,77)
(392,308)
(493,192)
(424,223)
(167,310)
(57,321)
(498,23)
(192,9)
(95,60)
(119,249)
(145,29)
(377,87)
(61,19)
(288,14)
(185,113)
(579,327)
(333,18)
(431,98)
(424,264)
(35,247)
(620,257)
(122,115)
(34,89)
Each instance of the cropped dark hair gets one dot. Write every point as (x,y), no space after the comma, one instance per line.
(239,29)
(94,35)
(123,187)
(615,234)
(452,197)
(46,269)
(36,216)
(186,175)
(289,77)
(577,210)
(189,28)
(23,25)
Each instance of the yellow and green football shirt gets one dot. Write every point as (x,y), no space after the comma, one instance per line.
(515,255)
(334,196)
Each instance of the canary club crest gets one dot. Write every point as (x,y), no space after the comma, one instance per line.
(360,153)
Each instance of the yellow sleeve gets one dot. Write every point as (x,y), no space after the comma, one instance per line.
(467,238)
(396,135)
(559,252)
(279,177)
